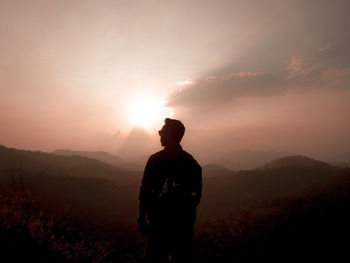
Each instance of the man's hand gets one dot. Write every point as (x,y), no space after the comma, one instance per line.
(143,226)
(195,199)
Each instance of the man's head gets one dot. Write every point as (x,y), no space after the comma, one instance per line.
(172,132)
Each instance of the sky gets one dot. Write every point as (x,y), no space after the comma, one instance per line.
(103,75)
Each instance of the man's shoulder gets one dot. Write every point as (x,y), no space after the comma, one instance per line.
(187,155)
(192,160)
(156,155)
(189,158)
(163,153)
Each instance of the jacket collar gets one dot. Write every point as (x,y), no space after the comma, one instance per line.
(173,148)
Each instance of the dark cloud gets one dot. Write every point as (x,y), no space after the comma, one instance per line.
(336,54)
(213,91)
(297,74)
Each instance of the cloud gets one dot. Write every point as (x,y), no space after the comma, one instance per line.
(335,74)
(186,83)
(297,67)
(324,47)
(249,74)
(215,90)
(223,90)
(304,123)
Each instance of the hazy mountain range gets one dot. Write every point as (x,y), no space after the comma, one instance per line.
(98,155)
(295,161)
(131,163)
(37,162)
(246,159)
(77,179)
(234,160)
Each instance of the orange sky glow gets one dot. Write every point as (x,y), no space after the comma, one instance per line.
(259,75)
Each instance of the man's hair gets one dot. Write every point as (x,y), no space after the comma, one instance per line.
(176,128)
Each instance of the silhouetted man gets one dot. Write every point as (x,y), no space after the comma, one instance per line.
(169,194)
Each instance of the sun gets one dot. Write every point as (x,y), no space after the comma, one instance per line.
(147,111)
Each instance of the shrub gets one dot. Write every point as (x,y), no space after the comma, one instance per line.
(34,231)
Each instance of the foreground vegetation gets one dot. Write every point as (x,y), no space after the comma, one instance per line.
(31,231)
(71,209)
(312,226)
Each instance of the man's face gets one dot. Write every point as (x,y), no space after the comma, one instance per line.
(166,138)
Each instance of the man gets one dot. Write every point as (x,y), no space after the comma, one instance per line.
(170,191)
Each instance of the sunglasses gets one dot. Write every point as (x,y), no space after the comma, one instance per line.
(162,132)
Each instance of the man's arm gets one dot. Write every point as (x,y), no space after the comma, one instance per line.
(196,190)
(145,196)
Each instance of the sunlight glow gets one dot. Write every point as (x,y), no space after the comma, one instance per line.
(147,111)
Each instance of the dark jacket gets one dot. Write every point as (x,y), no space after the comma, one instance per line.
(171,185)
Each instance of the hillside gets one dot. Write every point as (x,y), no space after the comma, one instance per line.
(340,164)
(59,165)
(224,191)
(283,177)
(308,227)
(213,170)
(343,157)
(295,161)
(99,155)
(89,199)
(296,202)
(130,164)
(311,226)
(246,159)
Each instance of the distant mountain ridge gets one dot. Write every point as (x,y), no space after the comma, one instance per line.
(294,161)
(98,155)
(282,177)
(131,164)
(247,159)
(224,191)
(212,170)
(341,158)
(36,162)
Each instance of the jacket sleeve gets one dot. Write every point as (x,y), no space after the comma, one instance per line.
(196,190)
(146,189)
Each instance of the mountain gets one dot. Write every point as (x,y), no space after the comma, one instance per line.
(295,161)
(99,155)
(130,164)
(213,170)
(226,191)
(37,162)
(342,158)
(135,163)
(340,164)
(246,159)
